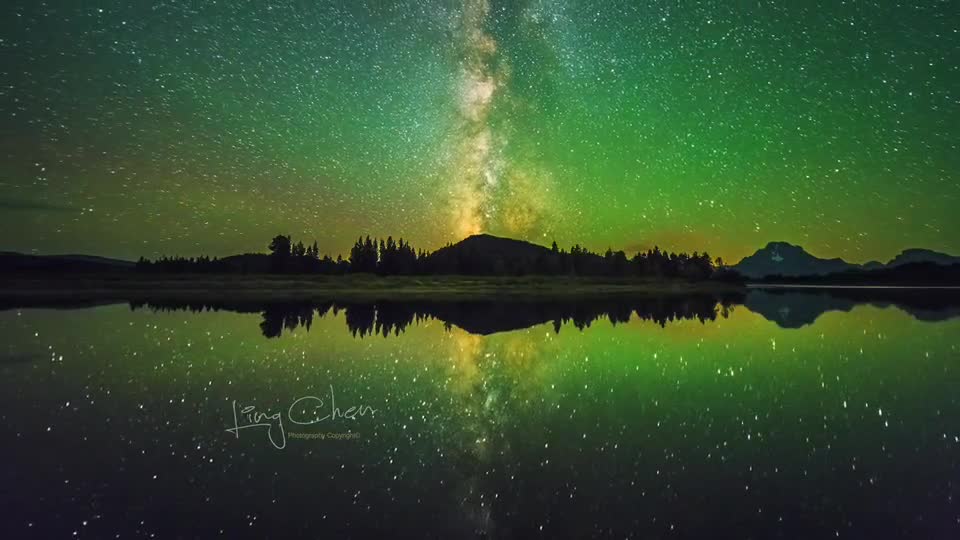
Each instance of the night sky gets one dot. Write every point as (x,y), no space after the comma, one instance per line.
(207,127)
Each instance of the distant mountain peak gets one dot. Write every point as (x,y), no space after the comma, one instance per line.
(786,259)
(11,261)
(777,244)
(487,240)
(486,236)
(493,236)
(488,254)
(790,260)
(912,255)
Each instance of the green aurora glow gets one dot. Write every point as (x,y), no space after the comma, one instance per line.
(182,127)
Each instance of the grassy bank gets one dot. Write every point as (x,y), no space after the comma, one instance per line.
(354,286)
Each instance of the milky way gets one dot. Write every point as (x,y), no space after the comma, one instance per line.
(184,127)
(480,200)
(477,167)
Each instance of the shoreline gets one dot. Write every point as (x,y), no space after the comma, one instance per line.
(274,287)
(847,286)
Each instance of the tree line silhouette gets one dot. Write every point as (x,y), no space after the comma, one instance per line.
(389,257)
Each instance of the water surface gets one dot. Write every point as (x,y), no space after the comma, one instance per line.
(781,415)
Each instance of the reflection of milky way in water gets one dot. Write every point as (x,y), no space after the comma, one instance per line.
(480,167)
(486,379)
(504,435)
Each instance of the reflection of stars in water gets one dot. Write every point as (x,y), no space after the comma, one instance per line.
(468,378)
(487,374)
(625,409)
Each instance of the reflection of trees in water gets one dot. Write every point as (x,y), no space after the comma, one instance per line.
(476,317)
(487,377)
(276,319)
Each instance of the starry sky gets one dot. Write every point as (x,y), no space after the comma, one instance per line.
(207,127)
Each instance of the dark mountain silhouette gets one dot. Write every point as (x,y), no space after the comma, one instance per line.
(787,260)
(913,255)
(487,254)
(783,259)
(20,262)
(916,255)
(253,263)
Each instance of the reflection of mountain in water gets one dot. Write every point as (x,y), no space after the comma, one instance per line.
(788,307)
(477,317)
(797,307)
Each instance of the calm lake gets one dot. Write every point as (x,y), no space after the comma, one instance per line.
(782,414)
